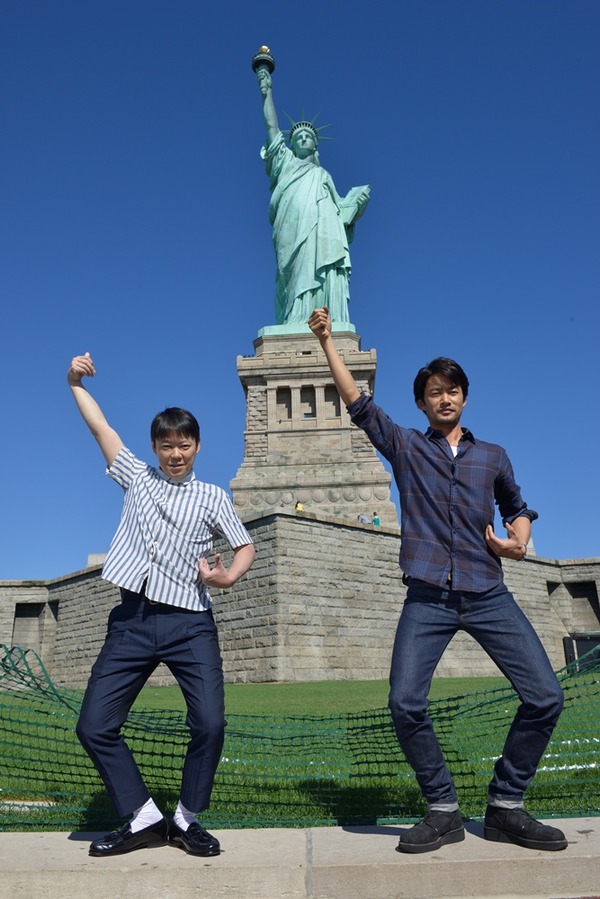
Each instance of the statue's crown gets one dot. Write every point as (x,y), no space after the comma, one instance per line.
(308,125)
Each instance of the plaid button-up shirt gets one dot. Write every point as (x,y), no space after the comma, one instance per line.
(446,501)
(166,527)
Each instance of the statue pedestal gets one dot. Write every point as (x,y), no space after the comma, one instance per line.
(300,444)
(296,328)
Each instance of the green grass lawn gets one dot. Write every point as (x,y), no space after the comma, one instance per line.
(323,698)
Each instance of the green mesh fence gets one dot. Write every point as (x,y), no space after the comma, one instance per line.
(284,772)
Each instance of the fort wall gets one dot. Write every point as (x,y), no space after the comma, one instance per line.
(321,602)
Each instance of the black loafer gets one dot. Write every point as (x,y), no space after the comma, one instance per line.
(195,840)
(120,841)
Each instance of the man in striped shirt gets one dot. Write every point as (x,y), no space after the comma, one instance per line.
(448,482)
(158,559)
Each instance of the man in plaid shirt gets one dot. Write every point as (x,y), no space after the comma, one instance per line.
(448,482)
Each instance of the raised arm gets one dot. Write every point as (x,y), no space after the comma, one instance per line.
(320,324)
(270,116)
(109,441)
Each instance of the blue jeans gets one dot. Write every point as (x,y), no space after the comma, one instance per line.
(430,618)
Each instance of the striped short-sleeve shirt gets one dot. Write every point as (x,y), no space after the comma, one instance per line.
(166,527)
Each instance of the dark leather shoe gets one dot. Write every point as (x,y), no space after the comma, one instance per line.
(120,841)
(515,825)
(195,840)
(435,830)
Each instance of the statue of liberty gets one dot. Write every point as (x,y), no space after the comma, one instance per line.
(312,225)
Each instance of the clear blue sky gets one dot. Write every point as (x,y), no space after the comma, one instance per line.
(134,225)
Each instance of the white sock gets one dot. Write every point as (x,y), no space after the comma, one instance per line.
(183,817)
(145,816)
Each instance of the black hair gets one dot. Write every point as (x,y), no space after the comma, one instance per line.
(445,368)
(174,421)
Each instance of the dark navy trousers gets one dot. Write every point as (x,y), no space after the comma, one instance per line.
(141,634)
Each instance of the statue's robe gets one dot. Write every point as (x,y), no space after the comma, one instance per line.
(312,228)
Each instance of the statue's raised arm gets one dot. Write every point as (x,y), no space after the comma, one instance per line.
(312,225)
(270,115)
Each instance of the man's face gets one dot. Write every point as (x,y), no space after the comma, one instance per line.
(303,143)
(176,454)
(443,402)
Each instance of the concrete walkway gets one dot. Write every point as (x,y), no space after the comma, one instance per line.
(316,863)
